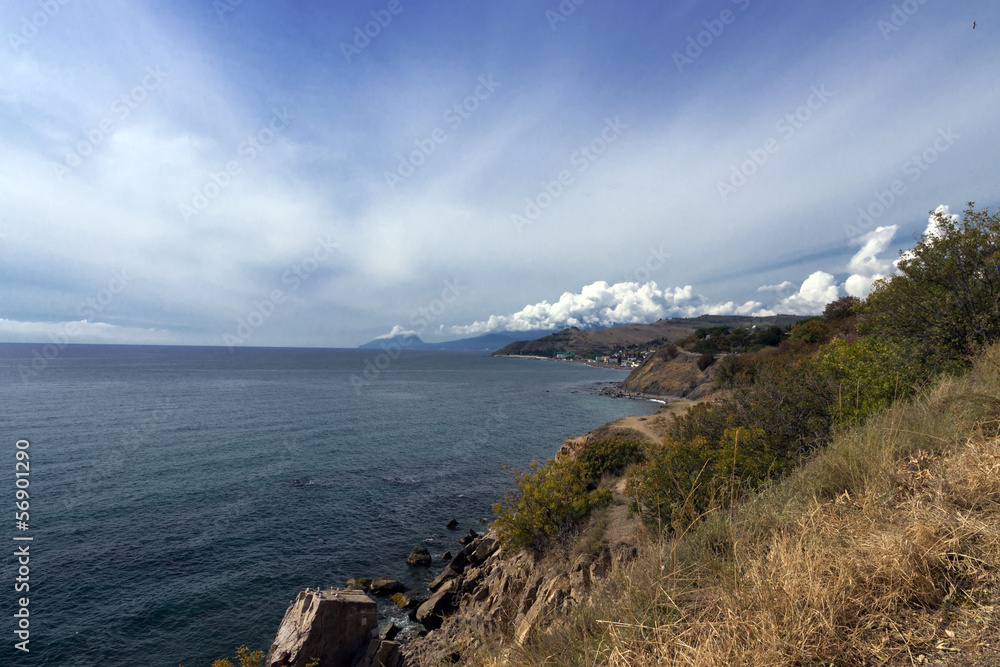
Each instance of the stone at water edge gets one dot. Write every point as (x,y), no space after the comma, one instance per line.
(385,586)
(446,555)
(419,557)
(333,625)
(453,524)
(471,535)
(358,583)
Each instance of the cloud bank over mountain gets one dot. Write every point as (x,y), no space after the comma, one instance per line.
(603,305)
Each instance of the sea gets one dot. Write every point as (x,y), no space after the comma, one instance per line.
(178,498)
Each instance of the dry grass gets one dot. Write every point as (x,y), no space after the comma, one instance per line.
(885,549)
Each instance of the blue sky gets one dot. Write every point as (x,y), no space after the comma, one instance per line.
(256,173)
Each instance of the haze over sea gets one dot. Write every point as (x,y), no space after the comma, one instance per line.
(180,496)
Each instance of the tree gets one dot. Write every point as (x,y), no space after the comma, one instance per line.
(945,297)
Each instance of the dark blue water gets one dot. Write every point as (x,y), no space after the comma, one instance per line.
(180,497)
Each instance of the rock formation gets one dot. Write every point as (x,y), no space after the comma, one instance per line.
(334,626)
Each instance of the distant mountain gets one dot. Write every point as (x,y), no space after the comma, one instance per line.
(485,343)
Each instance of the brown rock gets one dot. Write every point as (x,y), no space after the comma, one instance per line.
(332,625)
(359,584)
(385,586)
(419,557)
(431,612)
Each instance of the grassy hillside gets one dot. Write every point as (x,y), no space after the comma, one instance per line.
(632,336)
(884,548)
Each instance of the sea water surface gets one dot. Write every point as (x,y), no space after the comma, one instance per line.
(180,497)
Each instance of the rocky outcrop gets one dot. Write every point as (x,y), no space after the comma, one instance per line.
(333,626)
(419,557)
(488,594)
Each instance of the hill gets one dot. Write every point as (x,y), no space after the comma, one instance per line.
(632,337)
(485,343)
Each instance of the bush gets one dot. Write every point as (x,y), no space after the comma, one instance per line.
(705,360)
(945,298)
(549,498)
(667,353)
(868,375)
(609,456)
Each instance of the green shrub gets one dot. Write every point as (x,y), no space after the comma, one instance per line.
(868,375)
(609,456)
(548,499)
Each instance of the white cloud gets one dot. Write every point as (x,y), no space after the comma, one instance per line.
(82,331)
(601,305)
(865,266)
(817,290)
(398,331)
(780,287)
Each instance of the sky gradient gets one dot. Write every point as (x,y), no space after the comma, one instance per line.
(254,173)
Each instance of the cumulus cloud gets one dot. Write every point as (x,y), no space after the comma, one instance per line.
(398,331)
(780,287)
(603,305)
(866,266)
(816,291)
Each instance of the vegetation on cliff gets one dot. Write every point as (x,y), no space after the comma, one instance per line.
(840,504)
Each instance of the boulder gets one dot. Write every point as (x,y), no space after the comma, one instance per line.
(382,653)
(359,583)
(431,612)
(419,557)
(453,524)
(334,626)
(446,555)
(384,586)
(403,601)
(471,535)
(391,632)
